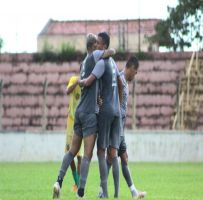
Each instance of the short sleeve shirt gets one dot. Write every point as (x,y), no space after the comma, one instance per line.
(74,97)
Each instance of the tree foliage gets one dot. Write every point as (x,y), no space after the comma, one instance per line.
(183,26)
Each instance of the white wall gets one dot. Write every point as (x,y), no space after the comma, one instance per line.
(143,145)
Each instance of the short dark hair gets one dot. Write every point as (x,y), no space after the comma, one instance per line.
(105,37)
(132,62)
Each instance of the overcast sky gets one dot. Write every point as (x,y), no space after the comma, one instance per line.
(22,20)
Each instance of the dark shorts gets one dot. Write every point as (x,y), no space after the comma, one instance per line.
(109,131)
(122,148)
(85,124)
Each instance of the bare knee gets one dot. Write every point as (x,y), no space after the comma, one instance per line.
(73,151)
(75,145)
(100,152)
(89,143)
(109,158)
(124,157)
(88,154)
(113,152)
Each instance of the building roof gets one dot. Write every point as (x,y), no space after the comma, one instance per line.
(54,27)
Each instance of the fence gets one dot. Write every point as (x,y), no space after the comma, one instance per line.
(33,94)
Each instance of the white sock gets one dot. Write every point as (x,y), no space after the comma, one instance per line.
(100,189)
(133,188)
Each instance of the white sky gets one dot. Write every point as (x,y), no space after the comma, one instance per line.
(22,20)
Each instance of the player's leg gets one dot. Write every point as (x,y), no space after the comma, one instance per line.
(124,162)
(79,160)
(114,143)
(75,146)
(69,137)
(89,128)
(67,159)
(108,165)
(115,170)
(102,144)
(89,142)
(74,173)
(126,173)
(108,161)
(103,173)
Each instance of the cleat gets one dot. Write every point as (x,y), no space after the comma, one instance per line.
(138,195)
(80,193)
(56,191)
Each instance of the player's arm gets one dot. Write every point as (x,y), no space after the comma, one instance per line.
(120,84)
(108,52)
(87,81)
(99,54)
(71,87)
(120,88)
(97,72)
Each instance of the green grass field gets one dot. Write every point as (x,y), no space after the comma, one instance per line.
(34,181)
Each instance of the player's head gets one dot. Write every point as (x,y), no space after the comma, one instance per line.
(103,41)
(131,68)
(91,42)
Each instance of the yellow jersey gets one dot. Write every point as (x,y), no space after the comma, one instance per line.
(74,97)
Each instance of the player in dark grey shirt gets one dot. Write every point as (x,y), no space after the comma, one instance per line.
(109,118)
(109,115)
(85,125)
(127,75)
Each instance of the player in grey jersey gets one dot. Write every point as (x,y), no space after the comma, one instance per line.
(109,115)
(127,75)
(85,124)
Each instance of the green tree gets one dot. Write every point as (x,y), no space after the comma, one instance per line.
(183,26)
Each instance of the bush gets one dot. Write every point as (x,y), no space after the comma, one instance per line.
(67,52)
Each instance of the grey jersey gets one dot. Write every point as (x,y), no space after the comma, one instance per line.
(125,94)
(88,100)
(109,88)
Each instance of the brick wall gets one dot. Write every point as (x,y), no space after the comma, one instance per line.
(156,87)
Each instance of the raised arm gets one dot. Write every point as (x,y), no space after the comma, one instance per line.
(108,52)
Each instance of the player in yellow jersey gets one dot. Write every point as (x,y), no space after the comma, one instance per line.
(73,89)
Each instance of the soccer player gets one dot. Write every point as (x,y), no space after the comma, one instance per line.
(109,120)
(85,124)
(73,89)
(127,75)
(109,114)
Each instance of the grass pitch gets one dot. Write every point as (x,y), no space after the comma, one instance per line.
(162,181)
